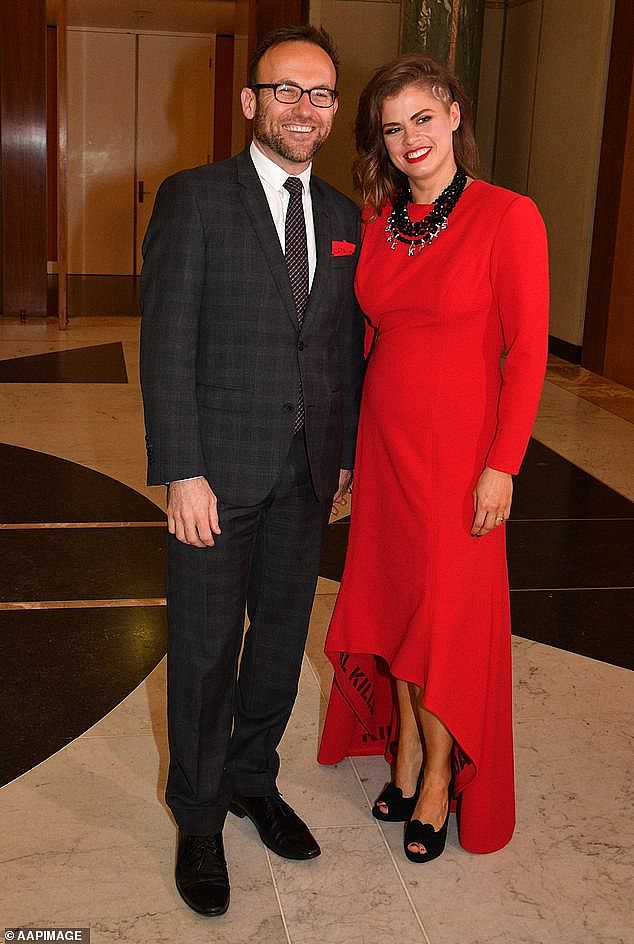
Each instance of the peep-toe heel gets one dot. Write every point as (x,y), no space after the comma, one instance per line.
(426,835)
(399,807)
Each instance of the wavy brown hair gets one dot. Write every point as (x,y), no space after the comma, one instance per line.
(373,173)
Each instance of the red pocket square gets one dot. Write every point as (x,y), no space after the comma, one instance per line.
(343,248)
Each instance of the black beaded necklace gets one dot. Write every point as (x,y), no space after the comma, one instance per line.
(401,229)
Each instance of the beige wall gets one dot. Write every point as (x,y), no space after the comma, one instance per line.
(550,120)
(517,94)
(488,86)
(367,35)
(566,145)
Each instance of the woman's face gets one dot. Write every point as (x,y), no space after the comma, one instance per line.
(418,134)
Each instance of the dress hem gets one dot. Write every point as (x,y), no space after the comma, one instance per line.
(382,748)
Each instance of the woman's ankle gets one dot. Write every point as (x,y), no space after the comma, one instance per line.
(407,765)
(438,775)
(410,753)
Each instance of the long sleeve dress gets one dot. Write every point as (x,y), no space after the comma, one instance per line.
(421,600)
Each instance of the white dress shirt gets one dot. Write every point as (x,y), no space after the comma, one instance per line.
(273,179)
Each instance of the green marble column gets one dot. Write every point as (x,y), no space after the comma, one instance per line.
(450,30)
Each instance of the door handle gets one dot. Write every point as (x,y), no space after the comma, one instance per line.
(142,191)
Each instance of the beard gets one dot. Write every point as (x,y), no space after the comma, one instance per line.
(271,134)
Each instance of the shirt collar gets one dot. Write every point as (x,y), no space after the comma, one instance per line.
(275,175)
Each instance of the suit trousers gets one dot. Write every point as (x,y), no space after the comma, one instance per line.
(226,714)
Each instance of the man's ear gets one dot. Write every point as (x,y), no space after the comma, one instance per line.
(247,101)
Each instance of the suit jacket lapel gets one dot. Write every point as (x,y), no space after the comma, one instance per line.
(323,242)
(257,208)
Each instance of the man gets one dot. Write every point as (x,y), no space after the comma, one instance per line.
(251,363)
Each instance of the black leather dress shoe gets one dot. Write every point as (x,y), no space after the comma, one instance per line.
(201,873)
(279,826)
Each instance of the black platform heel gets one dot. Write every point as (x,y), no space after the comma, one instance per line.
(399,808)
(424,833)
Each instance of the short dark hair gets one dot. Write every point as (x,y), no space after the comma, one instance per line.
(293,34)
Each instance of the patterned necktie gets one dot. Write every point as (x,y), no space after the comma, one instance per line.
(296,253)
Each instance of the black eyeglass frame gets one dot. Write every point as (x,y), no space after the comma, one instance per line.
(302,91)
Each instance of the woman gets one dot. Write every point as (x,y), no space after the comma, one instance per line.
(452,273)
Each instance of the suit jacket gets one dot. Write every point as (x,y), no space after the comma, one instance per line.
(221,351)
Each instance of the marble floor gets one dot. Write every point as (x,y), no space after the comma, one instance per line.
(87,841)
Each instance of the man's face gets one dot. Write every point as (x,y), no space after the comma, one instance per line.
(291,134)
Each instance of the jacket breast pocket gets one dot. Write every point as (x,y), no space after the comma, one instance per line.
(227,399)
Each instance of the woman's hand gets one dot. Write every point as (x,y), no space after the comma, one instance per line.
(345,487)
(491,501)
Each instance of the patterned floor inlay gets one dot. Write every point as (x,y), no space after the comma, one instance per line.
(82,564)
(86,837)
(609,395)
(70,604)
(20,526)
(64,669)
(36,488)
(82,615)
(101,363)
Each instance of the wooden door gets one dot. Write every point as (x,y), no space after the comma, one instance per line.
(140,108)
(175,109)
(101,145)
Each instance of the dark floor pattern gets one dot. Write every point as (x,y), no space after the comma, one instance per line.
(570,541)
(82,564)
(550,487)
(99,363)
(64,669)
(35,488)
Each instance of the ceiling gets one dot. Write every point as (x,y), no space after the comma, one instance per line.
(179,16)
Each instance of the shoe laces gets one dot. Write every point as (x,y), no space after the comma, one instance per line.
(201,847)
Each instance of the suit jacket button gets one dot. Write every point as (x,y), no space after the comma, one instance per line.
(300,346)
(288,407)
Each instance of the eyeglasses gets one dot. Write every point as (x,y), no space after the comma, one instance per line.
(290,94)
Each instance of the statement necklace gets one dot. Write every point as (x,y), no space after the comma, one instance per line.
(401,229)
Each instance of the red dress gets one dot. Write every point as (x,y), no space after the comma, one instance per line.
(422,600)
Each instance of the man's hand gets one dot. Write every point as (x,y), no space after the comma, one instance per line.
(491,501)
(192,512)
(345,486)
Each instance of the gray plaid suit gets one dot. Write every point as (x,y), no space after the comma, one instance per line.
(221,360)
